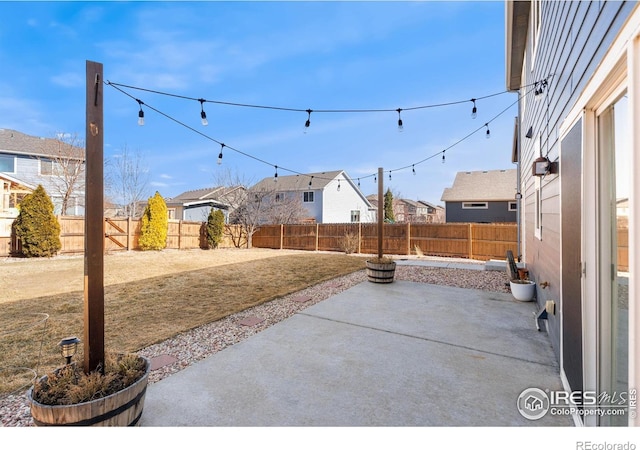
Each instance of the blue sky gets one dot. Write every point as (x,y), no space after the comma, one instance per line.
(299,55)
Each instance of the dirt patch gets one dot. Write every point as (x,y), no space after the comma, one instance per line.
(24,278)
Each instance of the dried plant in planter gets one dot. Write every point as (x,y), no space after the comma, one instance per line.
(381,260)
(69,385)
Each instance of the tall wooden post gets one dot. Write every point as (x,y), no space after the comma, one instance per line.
(94,222)
(380,211)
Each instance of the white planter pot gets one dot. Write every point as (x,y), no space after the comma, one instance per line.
(523,291)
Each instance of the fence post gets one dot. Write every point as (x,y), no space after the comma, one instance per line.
(470,241)
(281,236)
(129,236)
(317,231)
(408,238)
(359,237)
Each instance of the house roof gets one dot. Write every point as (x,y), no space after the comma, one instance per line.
(516,26)
(14,142)
(319,180)
(430,205)
(205,195)
(482,185)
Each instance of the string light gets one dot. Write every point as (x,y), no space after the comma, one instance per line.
(310,181)
(338,185)
(220,155)
(400,127)
(539,88)
(275,177)
(413,168)
(308,122)
(375,179)
(203,115)
(474,111)
(140,113)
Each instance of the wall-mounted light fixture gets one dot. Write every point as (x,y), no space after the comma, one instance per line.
(542,166)
(529,134)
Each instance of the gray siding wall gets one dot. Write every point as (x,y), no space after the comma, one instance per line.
(496,212)
(573,38)
(28,170)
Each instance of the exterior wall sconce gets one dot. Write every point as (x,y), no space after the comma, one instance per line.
(529,134)
(69,347)
(542,166)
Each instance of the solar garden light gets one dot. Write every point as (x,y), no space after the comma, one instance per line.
(69,347)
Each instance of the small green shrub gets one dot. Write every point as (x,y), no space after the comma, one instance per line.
(36,226)
(215,228)
(154,224)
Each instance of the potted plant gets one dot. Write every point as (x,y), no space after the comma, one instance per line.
(110,397)
(381,269)
(523,290)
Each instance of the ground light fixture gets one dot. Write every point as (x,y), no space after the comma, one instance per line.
(69,347)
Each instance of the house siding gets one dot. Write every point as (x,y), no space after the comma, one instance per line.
(495,212)
(574,37)
(27,169)
(338,204)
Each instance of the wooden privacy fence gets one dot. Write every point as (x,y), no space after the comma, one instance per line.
(120,234)
(464,240)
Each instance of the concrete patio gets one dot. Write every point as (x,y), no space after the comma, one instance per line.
(400,354)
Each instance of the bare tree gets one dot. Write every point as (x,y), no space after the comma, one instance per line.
(258,205)
(66,167)
(127,180)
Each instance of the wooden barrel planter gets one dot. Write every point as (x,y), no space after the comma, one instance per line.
(381,272)
(124,408)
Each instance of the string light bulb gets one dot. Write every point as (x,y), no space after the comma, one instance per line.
(474,111)
(140,113)
(308,122)
(488,135)
(413,168)
(443,156)
(358,183)
(338,185)
(275,177)
(389,175)
(203,115)
(375,179)
(220,155)
(310,181)
(400,127)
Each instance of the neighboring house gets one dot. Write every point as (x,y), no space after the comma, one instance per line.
(27,161)
(487,196)
(328,197)
(197,204)
(577,149)
(406,210)
(417,211)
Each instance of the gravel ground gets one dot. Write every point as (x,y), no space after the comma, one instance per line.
(206,340)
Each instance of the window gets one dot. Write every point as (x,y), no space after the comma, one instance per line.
(355,216)
(279,197)
(7,163)
(475,205)
(513,206)
(46,167)
(307,197)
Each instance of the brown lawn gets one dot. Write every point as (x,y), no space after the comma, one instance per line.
(149,296)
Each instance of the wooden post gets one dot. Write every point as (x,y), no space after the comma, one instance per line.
(380,211)
(408,238)
(281,236)
(129,234)
(317,231)
(470,241)
(94,222)
(359,237)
